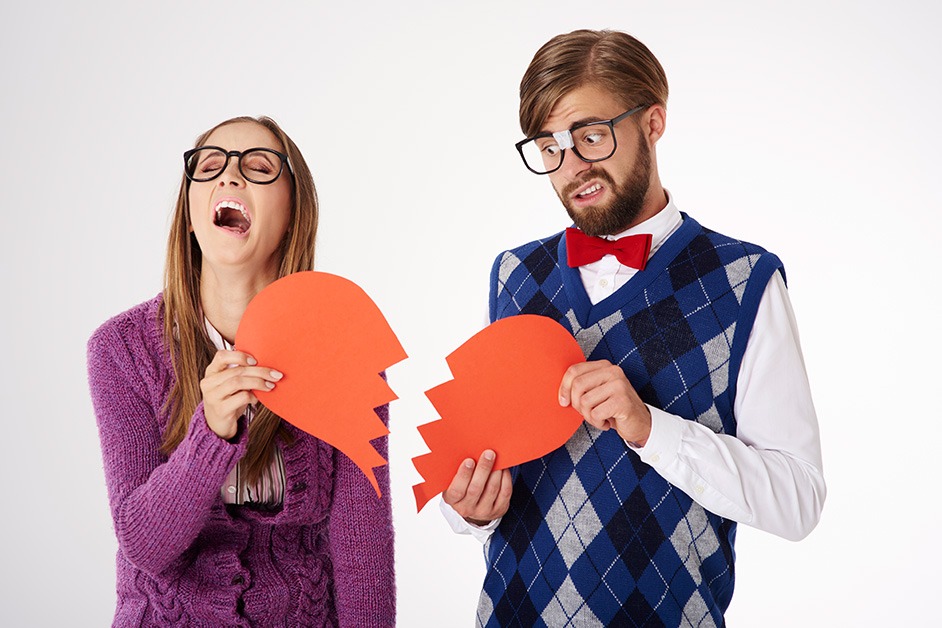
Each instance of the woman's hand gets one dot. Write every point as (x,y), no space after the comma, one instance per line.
(227,389)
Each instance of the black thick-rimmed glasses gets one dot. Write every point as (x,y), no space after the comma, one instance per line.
(257,165)
(590,141)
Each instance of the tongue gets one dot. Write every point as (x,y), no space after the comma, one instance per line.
(233,219)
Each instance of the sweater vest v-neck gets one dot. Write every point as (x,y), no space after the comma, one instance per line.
(594,536)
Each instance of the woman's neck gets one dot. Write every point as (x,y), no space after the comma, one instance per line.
(224,297)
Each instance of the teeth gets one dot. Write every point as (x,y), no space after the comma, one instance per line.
(232,205)
(591,190)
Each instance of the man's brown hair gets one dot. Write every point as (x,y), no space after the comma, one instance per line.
(610,59)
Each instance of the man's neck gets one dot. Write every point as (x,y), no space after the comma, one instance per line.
(654,201)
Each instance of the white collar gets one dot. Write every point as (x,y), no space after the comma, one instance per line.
(661,225)
(218,341)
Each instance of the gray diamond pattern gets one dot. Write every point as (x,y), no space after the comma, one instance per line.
(572,518)
(694,540)
(568,603)
(737,273)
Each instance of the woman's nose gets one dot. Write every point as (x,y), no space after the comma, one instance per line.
(232,175)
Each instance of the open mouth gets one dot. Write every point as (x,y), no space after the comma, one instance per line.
(589,191)
(232,216)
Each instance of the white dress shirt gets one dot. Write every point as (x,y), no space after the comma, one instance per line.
(769,476)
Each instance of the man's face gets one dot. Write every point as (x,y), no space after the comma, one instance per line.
(605,197)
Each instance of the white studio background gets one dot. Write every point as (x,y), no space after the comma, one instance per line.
(811,128)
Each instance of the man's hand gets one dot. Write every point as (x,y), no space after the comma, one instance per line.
(601,393)
(478,493)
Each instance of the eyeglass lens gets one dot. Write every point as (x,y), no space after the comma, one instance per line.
(593,142)
(257,165)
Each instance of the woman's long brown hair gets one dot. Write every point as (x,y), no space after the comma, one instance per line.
(190,348)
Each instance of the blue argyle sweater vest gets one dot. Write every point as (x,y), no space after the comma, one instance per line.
(594,536)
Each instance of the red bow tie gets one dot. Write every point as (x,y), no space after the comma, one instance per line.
(582,249)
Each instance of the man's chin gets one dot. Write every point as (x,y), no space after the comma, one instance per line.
(594,220)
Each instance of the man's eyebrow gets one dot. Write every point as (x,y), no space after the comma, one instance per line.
(587,120)
(580,121)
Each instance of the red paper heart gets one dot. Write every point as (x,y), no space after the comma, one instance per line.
(504,397)
(330,341)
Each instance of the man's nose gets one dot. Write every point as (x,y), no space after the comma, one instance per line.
(573,165)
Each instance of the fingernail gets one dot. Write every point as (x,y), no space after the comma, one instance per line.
(270,385)
(276,375)
(488,455)
(563,401)
(252,361)
(469,464)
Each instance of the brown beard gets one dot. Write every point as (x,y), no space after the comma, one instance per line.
(626,204)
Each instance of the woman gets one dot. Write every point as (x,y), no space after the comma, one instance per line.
(225,515)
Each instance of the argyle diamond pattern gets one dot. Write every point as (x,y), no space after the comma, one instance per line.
(593,536)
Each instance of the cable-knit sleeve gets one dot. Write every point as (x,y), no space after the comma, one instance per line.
(159,505)
(361,543)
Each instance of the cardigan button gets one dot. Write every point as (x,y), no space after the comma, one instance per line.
(297,488)
(238,579)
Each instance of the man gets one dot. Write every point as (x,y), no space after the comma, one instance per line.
(697,409)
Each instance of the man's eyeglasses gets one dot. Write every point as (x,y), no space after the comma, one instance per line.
(590,141)
(258,165)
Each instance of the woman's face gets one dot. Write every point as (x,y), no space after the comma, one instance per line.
(239,224)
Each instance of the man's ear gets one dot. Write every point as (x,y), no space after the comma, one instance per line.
(653,123)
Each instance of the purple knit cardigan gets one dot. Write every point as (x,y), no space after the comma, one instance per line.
(184,558)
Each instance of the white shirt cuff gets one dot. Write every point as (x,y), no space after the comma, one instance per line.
(460,526)
(664,439)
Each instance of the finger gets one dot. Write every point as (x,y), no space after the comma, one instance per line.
(458,488)
(223,359)
(631,419)
(502,503)
(262,372)
(599,424)
(565,386)
(575,371)
(491,490)
(226,412)
(595,417)
(588,400)
(234,405)
(242,378)
(216,391)
(591,387)
(481,474)
(581,386)
(609,409)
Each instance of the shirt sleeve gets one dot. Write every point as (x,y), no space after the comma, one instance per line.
(460,526)
(769,475)
(158,505)
(361,542)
